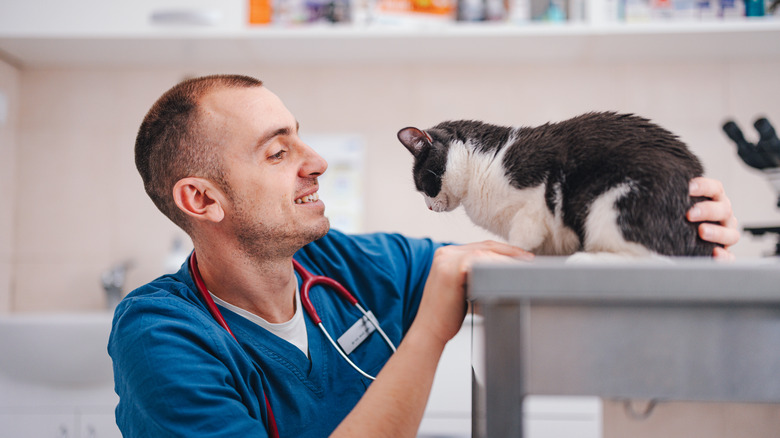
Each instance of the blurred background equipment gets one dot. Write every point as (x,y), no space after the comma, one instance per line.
(764,156)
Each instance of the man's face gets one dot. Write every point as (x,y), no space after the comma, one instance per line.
(273,206)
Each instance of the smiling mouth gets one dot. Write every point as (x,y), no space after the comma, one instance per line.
(314,197)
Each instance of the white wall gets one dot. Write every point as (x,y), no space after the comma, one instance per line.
(81,206)
(9,101)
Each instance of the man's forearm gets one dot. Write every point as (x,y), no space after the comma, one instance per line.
(394,404)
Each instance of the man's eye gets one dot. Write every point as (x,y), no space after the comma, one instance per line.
(278,155)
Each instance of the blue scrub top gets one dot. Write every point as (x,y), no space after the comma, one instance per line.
(179,373)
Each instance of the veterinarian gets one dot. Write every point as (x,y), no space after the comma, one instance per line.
(221,157)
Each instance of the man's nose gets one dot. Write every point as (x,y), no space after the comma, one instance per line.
(314,164)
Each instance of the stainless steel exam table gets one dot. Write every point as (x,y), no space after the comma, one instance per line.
(685,330)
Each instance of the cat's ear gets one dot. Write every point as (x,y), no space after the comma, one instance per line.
(414,139)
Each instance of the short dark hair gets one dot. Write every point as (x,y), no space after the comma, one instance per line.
(172,142)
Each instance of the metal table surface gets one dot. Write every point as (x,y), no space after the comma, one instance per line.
(687,330)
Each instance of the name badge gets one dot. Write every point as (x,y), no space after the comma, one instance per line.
(358,333)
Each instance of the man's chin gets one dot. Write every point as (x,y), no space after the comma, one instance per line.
(315,231)
(322,230)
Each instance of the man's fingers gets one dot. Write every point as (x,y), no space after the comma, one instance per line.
(714,211)
(718,234)
(707,187)
(722,254)
(503,249)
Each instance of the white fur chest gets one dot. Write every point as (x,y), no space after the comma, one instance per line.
(479,182)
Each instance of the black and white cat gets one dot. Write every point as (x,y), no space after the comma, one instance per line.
(599,182)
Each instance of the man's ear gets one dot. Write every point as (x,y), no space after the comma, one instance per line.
(199,198)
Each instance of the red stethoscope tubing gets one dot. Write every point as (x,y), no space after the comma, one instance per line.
(273,431)
(308,280)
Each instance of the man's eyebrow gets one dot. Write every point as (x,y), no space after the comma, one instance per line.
(281,131)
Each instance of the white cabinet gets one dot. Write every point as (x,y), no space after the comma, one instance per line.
(32,410)
(37,425)
(98,425)
(562,417)
(101,17)
(56,423)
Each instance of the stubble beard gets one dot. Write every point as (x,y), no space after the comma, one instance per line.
(261,242)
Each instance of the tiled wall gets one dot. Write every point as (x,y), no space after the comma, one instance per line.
(9,101)
(81,207)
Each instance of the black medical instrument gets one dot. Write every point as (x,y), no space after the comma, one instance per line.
(764,156)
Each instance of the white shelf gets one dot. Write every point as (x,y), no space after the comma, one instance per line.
(433,43)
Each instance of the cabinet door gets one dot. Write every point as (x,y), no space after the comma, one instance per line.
(16,425)
(562,417)
(99,426)
(80,18)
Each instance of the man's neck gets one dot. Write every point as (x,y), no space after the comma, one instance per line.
(264,287)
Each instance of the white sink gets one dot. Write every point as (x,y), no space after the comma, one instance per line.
(62,349)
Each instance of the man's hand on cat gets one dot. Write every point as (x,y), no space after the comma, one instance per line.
(717,209)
